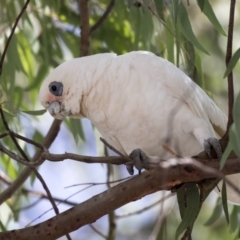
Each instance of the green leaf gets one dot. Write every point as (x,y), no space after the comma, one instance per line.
(236,113)
(232,62)
(198,65)
(169,40)
(192,209)
(206,8)
(224,201)
(41,73)
(3,95)
(75,126)
(190,58)
(186,28)
(160,8)
(181,202)
(201,4)
(175,5)
(234,222)
(217,211)
(225,155)
(234,139)
(36,112)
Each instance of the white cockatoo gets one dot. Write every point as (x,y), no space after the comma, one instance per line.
(137,101)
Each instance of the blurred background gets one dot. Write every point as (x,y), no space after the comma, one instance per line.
(191,35)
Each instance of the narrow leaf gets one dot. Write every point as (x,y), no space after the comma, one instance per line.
(206,8)
(234,223)
(234,139)
(236,114)
(198,65)
(35,113)
(186,28)
(181,203)
(224,201)
(169,41)
(225,155)
(232,62)
(192,209)
(3,95)
(75,126)
(201,4)
(175,5)
(217,211)
(159,8)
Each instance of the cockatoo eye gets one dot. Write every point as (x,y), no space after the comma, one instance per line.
(56,88)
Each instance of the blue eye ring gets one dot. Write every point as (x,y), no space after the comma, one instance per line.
(56,88)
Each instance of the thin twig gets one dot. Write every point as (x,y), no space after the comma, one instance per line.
(25,157)
(12,136)
(100,183)
(115,160)
(103,17)
(146,208)
(48,140)
(228,58)
(97,231)
(84,15)
(11,34)
(112,148)
(30,141)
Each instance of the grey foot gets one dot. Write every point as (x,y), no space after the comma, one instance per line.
(139,160)
(214,143)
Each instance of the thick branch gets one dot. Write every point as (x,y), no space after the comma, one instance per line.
(85,30)
(170,174)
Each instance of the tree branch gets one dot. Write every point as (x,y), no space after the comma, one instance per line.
(168,175)
(103,17)
(230,75)
(48,140)
(11,35)
(84,44)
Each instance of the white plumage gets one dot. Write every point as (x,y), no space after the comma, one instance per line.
(136,100)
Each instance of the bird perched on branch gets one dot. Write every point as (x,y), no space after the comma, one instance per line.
(137,101)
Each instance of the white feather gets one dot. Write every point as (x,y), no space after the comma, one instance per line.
(138,100)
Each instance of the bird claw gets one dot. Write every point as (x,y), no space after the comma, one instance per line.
(214,143)
(139,161)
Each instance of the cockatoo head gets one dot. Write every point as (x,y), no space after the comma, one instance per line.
(61,92)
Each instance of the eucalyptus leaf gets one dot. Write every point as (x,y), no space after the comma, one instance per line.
(234,139)
(236,113)
(186,28)
(232,63)
(206,8)
(217,212)
(181,201)
(224,201)
(36,112)
(234,221)
(192,209)
(225,155)
(75,126)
